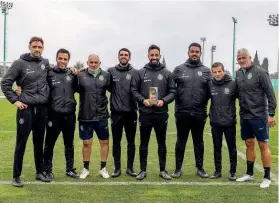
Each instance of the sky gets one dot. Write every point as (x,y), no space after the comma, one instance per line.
(104,27)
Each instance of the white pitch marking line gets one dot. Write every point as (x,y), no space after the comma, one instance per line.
(133,183)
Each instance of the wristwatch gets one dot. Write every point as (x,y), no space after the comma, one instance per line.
(271,114)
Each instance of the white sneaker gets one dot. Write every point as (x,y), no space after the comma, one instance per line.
(245,178)
(265,183)
(84,173)
(104,173)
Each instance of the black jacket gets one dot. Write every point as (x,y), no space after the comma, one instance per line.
(30,73)
(62,90)
(255,91)
(222,107)
(192,88)
(93,99)
(121,98)
(153,76)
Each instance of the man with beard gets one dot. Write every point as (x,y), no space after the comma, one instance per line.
(123,111)
(223,118)
(257,112)
(153,113)
(192,80)
(30,73)
(93,113)
(61,116)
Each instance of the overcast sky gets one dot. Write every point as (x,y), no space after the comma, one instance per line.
(86,27)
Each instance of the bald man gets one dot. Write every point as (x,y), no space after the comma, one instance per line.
(92,85)
(257,113)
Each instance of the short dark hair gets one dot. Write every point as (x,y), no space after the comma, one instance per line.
(36,39)
(217,64)
(124,49)
(153,46)
(64,51)
(194,44)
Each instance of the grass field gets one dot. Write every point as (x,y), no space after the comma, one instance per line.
(189,188)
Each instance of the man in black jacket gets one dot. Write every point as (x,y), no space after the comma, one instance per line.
(153,111)
(223,118)
(192,80)
(92,86)
(61,114)
(30,73)
(123,111)
(257,112)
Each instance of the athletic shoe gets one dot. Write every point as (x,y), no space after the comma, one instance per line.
(104,173)
(84,173)
(265,183)
(245,178)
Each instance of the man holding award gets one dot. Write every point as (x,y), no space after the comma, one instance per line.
(153,88)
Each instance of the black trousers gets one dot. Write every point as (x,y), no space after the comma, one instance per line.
(184,123)
(147,122)
(217,135)
(128,121)
(33,118)
(58,123)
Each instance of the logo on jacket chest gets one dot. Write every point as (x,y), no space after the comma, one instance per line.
(101,78)
(146,78)
(249,76)
(43,66)
(199,73)
(128,76)
(160,77)
(226,90)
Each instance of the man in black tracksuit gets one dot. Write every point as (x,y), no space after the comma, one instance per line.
(93,84)
(257,113)
(153,111)
(192,80)
(61,116)
(123,111)
(223,118)
(30,73)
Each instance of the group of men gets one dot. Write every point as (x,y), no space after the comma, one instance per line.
(46,98)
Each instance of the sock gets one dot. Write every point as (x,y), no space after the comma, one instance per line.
(103,164)
(250,168)
(267,173)
(86,164)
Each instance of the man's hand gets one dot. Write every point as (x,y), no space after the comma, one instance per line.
(160,103)
(81,69)
(20,105)
(146,102)
(74,71)
(271,121)
(18,91)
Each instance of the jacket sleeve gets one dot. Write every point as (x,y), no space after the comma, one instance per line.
(110,80)
(8,80)
(208,79)
(135,86)
(171,89)
(269,91)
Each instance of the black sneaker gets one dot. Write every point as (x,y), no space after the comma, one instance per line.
(17,182)
(232,177)
(72,173)
(49,175)
(116,173)
(176,174)
(201,172)
(131,172)
(164,175)
(141,175)
(42,177)
(216,174)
